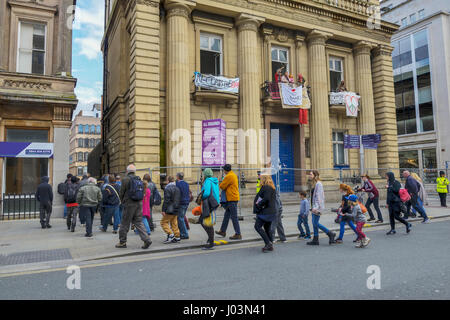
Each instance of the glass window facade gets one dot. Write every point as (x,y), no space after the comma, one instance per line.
(409,159)
(412,83)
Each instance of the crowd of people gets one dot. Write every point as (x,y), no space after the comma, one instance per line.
(128,203)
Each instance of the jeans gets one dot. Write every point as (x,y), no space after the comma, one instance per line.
(72,213)
(419,201)
(342,229)
(277,225)
(231,212)
(108,212)
(376,206)
(65,212)
(181,223)
(88,217)
(265,234)
(117,217)
(316,225)
(394,214)
(414,202)
(303,220)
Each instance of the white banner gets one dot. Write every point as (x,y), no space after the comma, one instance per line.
(216,83)
(351,104)
(291,96)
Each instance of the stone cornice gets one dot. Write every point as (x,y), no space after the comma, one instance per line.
(33,5)
(363,47)
(248,22)
(383,50)
(317,37)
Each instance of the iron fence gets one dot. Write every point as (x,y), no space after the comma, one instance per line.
(19,206)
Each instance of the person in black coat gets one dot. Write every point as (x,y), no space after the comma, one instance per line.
(394,202)
(265,208)
(44,195)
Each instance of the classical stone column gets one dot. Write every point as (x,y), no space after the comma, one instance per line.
(320,134)
(366,118)
(384,101)
(250,80)
(178,86)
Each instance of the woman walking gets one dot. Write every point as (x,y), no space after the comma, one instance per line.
(146,207)
(345,212)
(318,205)
(374,197)
(393,201)
(210,185)
(265,208)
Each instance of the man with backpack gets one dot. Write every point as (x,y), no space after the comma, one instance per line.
(131,195)
(170,210)
(185,199)
(62,187)
(413,188)
(70,198)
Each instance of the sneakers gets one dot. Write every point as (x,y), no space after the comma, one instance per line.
(169,239)
(391,232)
(358,244)
(301,237)
(267,248)
(365,242)
(235,237)
(220,233)
(175,239)
(308,238)
(339,241)
(121,245)
(371,219)
(426,221)
(379,221)
(88,235)
(146,244)
(114,232)
(408,228)
(281,241)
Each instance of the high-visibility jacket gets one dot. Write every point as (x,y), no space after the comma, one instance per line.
(442,184)
(258,185)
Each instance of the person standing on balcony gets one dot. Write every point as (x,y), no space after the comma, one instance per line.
(44,195)
(442,188)
(231,187)
(278,75)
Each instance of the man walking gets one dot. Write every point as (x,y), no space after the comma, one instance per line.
(44,195)
(413,188)
(131,195)
(185,199)
(70,198)
(62,187)
(231,187)
(88,197)
(170,210)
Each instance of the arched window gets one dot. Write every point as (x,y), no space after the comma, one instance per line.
(86,128)
(92,129)
(80,128)
(98,130)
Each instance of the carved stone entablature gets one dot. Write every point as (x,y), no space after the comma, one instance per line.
(279,34)
(27,84)
(62,113)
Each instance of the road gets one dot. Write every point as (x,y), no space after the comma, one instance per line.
(414,266)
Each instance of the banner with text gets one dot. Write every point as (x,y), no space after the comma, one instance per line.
(26,150)
(214,142)
(218,83)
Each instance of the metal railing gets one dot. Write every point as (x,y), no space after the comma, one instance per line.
(19,206)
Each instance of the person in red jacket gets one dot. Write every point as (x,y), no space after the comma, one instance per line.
(374,197)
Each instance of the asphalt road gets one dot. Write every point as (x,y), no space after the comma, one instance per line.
(414,266)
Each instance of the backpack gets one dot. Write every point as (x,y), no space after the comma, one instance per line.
(62,188)
(71,193)
(155,198)
(363,207)
(404,195)
(136,189)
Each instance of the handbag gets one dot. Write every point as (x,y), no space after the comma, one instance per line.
(199,199)
(211,220)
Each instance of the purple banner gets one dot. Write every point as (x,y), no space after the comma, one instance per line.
(213,142)
(351,142)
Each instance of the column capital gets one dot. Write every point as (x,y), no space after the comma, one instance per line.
(299,40)
(363,47)
(181,8)
(248,22)
(318,37)
(383,50)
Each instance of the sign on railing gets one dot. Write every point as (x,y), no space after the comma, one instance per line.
(216,83)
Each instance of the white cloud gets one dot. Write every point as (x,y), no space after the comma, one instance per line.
(89,24)
(90,47)
(87,97)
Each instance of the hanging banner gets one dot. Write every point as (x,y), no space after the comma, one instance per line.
(26,150)
(291,97)
(351,104)
(216,83)
(351,142)
(214,142)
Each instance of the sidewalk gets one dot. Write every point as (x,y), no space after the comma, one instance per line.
(22,236)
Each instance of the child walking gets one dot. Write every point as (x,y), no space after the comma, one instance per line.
(362,241)
(303,217)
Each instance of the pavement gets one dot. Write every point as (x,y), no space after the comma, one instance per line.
(31,246)
(402,266)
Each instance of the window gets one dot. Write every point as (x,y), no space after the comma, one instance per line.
(404,22)
(405,103)
(429,159)
(336,73)
(80,171)
(86,142)
(80,157)
(339,153)
(92,129)
(412,18)
(280,60)
(23,175)
(31,55)
(26,135)
(86,128)
(86,156)
(422,14)
(210,54)
(98,130)
(409,159)
(80,128)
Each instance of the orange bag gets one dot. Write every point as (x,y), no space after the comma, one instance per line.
(363,207)
(197,211)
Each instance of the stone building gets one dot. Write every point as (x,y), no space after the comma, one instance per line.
(85,135)
(152,49)
(36,94)
(422,82)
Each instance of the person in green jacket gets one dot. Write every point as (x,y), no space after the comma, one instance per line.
(88,197)
(442,188)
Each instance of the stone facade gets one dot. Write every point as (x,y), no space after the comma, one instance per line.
(42,100)
(152,49)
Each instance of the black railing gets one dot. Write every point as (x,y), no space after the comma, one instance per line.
(19,206)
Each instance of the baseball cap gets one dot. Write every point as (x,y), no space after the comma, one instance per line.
(352,197)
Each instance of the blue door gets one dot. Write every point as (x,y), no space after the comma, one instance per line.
(285,150)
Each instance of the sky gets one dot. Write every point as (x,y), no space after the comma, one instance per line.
(87,60)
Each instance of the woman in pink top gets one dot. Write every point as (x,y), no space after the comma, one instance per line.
(146,207)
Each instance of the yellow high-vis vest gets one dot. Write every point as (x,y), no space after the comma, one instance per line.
(442,184)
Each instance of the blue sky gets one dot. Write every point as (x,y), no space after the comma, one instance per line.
(87,61)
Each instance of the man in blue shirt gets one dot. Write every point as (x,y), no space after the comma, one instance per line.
(413,188)
(184,204)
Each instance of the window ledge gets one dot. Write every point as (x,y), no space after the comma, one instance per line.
(215,96)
